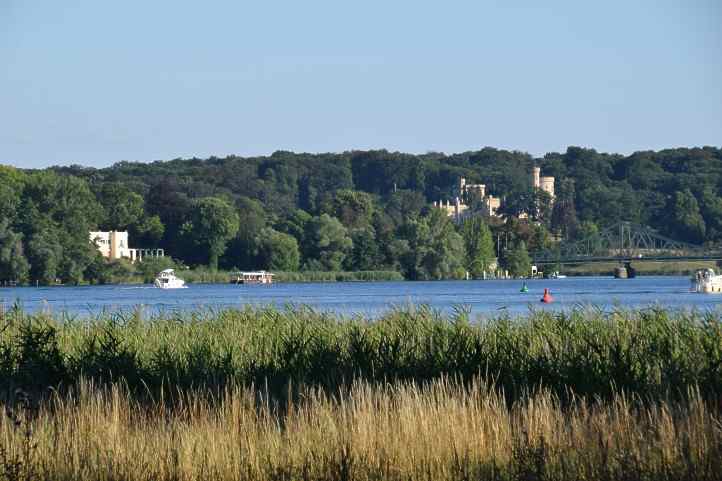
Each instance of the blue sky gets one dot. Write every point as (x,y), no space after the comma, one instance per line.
(92,83)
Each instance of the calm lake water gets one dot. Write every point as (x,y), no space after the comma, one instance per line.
(483,298)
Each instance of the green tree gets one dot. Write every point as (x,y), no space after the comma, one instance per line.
(12,182)
(102,271)
(295,224)
(123,207)
(404,204)
(687,221)
(587,230)
(125,210)
(517,260)
(13,264)
(327,243)
(57,214)
(564,213)
(446,256)
(539,238)
(277,250)
(416,244)
(167,200)
(149,231)
(78,254)
(66,200)
(397,252)
(519,202)
(479,246)
(45,255)
(711,207)
(212,224)
(542,207)
(435,249)
(242,250)
(353,208)
(365,255)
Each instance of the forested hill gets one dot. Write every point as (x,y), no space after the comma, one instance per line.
(645,187)
(353,210)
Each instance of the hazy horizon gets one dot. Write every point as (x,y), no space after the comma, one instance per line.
(95,84)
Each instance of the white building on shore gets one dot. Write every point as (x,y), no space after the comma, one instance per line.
(113,245)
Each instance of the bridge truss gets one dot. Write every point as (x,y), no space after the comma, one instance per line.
(624,242)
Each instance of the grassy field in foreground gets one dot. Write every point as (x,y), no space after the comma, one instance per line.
(650,352)
(393,431)
(269,394)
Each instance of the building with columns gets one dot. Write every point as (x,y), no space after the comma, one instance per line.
(113,245)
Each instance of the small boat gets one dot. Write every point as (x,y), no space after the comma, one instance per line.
(705,281)
(556,275)
(524,288)
(166,279)
(253,277)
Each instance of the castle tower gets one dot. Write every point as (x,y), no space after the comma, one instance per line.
(547,185)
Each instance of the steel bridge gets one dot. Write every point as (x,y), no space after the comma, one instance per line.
(625,242)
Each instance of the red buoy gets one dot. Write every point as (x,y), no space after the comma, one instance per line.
(547,296)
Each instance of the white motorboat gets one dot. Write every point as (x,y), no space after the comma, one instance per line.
(706,281)
(556,275)
(166,279)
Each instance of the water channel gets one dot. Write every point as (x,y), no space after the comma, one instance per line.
(481,298)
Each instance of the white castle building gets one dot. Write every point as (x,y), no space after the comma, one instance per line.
(467,193)
(543,183)
(114,245)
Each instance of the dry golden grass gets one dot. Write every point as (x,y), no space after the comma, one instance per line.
(439,431)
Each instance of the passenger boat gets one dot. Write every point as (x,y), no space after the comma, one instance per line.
(253,277)
(706,281)
(166,279)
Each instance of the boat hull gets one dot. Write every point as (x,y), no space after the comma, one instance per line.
(250,282)
(708,287)
(179,284)
(706,282)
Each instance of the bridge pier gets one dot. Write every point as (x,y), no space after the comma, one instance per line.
(625,271)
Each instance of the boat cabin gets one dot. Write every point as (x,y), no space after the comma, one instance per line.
(253,277)
(706,281)
(166,279)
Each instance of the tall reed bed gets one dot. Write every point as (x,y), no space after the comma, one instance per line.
(441,430)
(337,276)
(652,352)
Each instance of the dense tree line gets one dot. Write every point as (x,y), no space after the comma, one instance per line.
(361,210)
